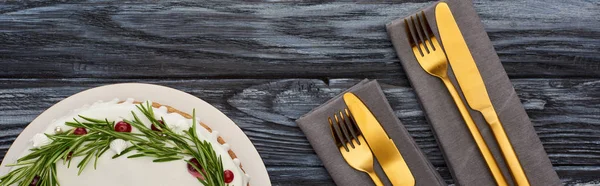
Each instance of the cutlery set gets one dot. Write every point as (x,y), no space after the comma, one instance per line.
(470,81)
(433,60)
(353,147)
(360,137)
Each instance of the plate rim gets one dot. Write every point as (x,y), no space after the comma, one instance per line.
(175,98)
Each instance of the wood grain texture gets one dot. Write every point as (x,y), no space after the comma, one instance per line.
(264,64)
(564,114)
(222,39)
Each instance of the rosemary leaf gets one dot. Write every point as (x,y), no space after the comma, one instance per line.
(167,159)
(91,119)
(83,163)
(128,149)
(136,156)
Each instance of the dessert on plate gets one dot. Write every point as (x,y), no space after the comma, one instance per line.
(127,143)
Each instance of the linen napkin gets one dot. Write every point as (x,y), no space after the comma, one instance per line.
(316,127)
(460,151)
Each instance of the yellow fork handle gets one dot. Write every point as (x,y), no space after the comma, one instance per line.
(507,150)
(483,148)
(375,178)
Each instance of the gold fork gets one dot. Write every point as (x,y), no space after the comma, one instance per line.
(433,60)
(352,145)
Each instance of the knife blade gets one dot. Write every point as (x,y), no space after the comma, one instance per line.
(472,85)
(381,145)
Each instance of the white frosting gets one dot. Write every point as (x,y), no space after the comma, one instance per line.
(246,179)
(137,171)
(226,146)
(179,126)
(40,140)
(118,145)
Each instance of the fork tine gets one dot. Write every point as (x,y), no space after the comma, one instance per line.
(352,125)
(426,29)
(419,31)
(410,35)
(412,38)
(344,127)
(335,129)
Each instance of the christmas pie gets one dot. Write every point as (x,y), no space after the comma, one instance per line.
(127,143)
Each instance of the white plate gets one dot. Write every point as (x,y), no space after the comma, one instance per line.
(240,144)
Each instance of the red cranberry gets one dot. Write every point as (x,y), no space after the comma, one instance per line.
(154,128)
(122,126)
(35,181)
(228,176)
(193,170)
(80,131)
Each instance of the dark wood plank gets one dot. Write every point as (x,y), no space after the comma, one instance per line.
(231,39)
(564,113)
(248,50)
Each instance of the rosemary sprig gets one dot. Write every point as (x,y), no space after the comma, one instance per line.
(163,146)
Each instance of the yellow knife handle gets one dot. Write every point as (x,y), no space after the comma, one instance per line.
(381,145)
(507,150)
(483,148)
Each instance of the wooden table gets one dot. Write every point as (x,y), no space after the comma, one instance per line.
(266,64)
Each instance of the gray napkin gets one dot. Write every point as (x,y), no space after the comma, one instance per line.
(316,127)
(461,154)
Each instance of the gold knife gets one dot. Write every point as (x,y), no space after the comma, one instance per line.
(470,82)
(382,146)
